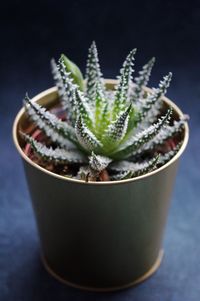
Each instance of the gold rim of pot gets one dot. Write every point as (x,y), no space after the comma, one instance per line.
(109,82)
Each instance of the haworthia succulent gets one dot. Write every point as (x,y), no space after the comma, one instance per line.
(103,126)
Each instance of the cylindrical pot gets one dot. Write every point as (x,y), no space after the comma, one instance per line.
(99,235)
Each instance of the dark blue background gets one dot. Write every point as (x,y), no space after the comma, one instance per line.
(33,32)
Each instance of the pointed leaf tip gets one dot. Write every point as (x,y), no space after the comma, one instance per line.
(98,162)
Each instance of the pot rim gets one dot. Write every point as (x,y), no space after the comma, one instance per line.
(109,81)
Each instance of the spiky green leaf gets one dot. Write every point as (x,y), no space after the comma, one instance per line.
(141,81)
(99,105)
(57,155)
(93,72)
(152,103)
(83,108)
(86,138)
(57,77)
(124,175)
(53,127)
(98,163)
(117,130)
(166,133)
(67,93)
(128,169)
(75,72)
(121,94)
(141,138)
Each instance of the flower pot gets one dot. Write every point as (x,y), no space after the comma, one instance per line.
(99,235)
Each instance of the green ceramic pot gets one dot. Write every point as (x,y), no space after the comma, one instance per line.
(99,236)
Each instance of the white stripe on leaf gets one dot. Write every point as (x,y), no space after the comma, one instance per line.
(98,163)
(57,155)
(53,127)
(86,138)
(93,72)
(141,81)
(143,137)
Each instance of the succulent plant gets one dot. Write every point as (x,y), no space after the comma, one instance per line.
(123,132)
